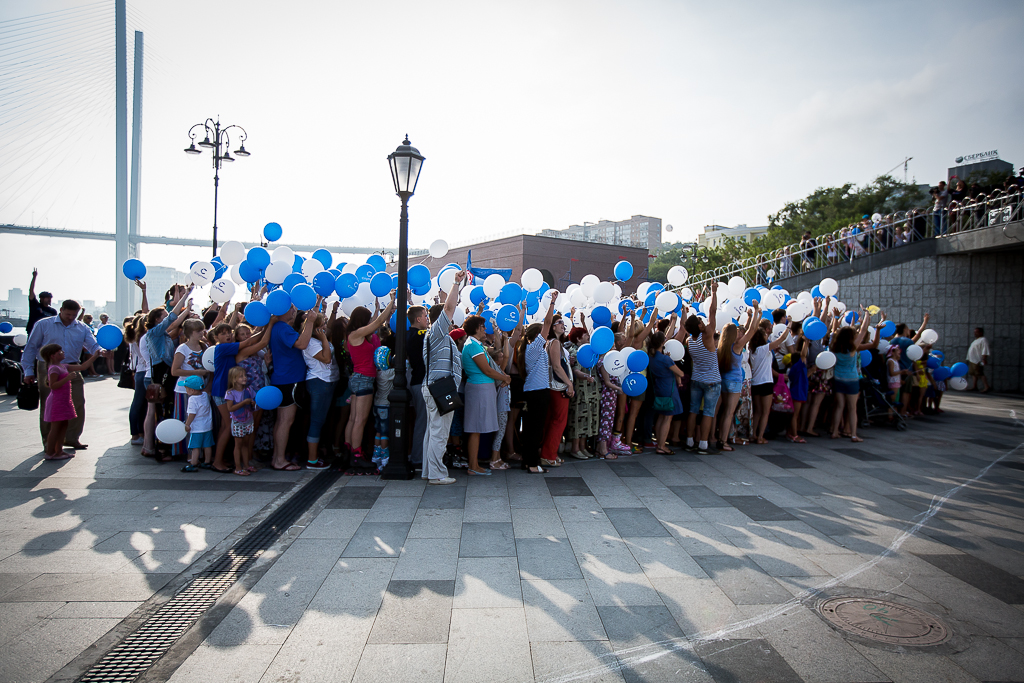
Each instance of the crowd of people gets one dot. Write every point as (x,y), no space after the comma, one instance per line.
(527,398)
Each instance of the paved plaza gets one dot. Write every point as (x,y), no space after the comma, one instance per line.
(652,568)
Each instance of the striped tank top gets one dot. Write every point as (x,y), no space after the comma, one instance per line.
(705,363)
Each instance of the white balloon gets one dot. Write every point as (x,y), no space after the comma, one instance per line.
(777,331)
(20,339)
(914,352)
(236,276)
(348,268)
(350,304)
(589,283)
(532,280)
(770,273)
(805,296)
(737,285)
(686,293)
(641,290)
(675,349)
(957,383)
(208,355)
(825,360)
(277,271)
(615,363)
(222,290)
(202,273)
(578,298)
(438,248)
(459,316)
(929,337)
(604,293)
(170,431)
(446,278)
(883,346)
(770,300)
(667,302)
(493,285)
(311,267)
(285,254)
(828,287)
(798,311)
(838,306)
(876,217)
(677,276)
(232,253)
(363,294)
(563,304)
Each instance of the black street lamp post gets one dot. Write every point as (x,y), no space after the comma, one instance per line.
(221,140)
(406,162)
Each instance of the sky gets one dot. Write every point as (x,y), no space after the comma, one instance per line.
(531,115)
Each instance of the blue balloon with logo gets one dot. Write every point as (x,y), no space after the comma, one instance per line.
(888,329)
(109,337)
(377,262)
(256,313)
(507,318)
(602,340)
(601,316)
(419,275)
(346,285)
(751,295)
(816,293)
(249,272)
(380,284)
(272,231)
(134,269)
(650,299)
(269,397)
(324,257)
(625,306)
(586,356)
(655,287)
(865,358)
(623,270)
(511,293)
(634,384)
(278,301)
(258,258)
(958,370)
(365,273)
(476,295)
(323,283)
(637,361)
(292,280)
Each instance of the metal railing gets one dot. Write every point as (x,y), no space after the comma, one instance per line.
(861,239)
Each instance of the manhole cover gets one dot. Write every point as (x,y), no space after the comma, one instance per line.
(885,622)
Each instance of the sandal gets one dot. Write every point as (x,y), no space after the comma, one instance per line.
(290,467)
(856,439)
(499,465)
(661,452)
(190,468)
(243,473)
(550,463)
(795,439)
(252,469)
(226,470)
(540,470)
(726,448)
(610,456)
(63,455)
(514,457)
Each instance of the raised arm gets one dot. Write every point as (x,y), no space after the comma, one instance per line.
(32,285)
(638,341)
(306,334)
(374,324)
(778,342)
(546,327)
(863,331)
(145,300)
(709,329)
(749,330)
(452,299)
(324,354)
(924,325)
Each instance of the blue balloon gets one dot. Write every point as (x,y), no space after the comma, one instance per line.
(511,294)
(816,293)
(249,272)
(625,306)
(637,361)
(488,326)
(938,354)
(292,280)
(297,264)
(816,330)
(532,306)
(422,290)
(655,287)
(377,262)
(487,315)
(6,327)
(476,295)
(750,295)
(380,284)
(958,370)
(394,322)
(601,316)
(269,397)
(217,261)
(324,257)
(335,272)
(602,340)
(303,297)
(865,358)
(933,362)
(258,258)
(776,286)
(346,285)
(634,384)
(323,283)
(623,270)
(851,317)
(134,269)
(394,280)
(419,275)
(941,373)
(256,314)
(650,299)
(109,337)
(365,273)
(278,301)
(888,329)
(507,318)
(272,231)
(586,356)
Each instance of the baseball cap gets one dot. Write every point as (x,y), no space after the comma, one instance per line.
(457,334)
(191,382)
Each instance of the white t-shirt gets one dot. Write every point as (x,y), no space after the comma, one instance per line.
(761,365)
(327,372)
(140,356)
(978,348)
(199,406)
(193,361)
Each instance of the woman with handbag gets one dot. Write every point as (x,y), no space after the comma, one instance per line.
(730,366)
(481,414)
(561,391)
(666,378)
(532,359)
(585,405)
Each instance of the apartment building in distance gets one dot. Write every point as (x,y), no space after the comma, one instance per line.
(639,232)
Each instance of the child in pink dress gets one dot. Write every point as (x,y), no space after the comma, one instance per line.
(59,407)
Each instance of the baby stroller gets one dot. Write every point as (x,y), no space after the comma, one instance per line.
(876,400)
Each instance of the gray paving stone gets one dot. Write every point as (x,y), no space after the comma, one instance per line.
(635,522)
(537,523)
(916,667)
(491,582)
(667,508)
(428,558)
(529,498)
(338,524)
(387,663)
(378,539)
(982,575)
(745,660)
(487,539)
(487,509)
(663,557)
(356,585)
(393,509)
(542,558)
(699,496)
(355,498)
(414,612)
(433,523)
(698,605)
(579,509)
(618,580)
(595,538)
(743,581)
(323,646)
(557,659)
(785,462)
(241,663)
(616,496)
(629,469)
(561,610)
(801,486)
(567,486)
(89,587)
(758,508)
(443,498)
(475,654)
(700,538)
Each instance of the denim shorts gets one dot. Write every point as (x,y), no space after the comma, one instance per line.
(219,400)
(709,393)
(380,420)
(200,440)
(360,385)
(849,387)
(732,386)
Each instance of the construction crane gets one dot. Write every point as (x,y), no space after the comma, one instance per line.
(904,165)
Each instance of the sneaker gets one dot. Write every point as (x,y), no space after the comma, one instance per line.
(138,442)
(441,482)
(461,463)
(317,465)
(637,450)
(587,453)
(189,468)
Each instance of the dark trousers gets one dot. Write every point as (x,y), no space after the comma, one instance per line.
(533,425)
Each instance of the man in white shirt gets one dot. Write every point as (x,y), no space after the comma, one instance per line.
(977,359)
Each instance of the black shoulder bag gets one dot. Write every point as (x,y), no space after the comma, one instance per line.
(444,391)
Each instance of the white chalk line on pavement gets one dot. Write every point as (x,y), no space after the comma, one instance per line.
(646,653)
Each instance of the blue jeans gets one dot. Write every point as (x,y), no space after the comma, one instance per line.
(320,393)
(137,413)
(939,218)
(709,393)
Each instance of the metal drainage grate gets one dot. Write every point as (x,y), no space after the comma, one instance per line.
(885,622)
(140,650)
